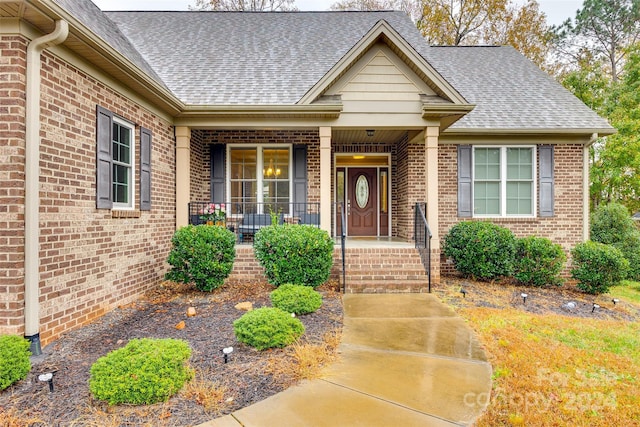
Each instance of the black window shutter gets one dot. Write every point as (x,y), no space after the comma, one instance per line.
(546,182)
(145,169)
(217,152)
(104,158)
(465,182)
(299,179)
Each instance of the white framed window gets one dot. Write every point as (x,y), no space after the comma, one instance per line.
(260,178)
(123,161)
(504,181)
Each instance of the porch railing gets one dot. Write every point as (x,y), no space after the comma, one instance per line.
(422,237)
(246,218)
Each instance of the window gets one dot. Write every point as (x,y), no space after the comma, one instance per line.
(122,155)
(115,156)
(503,181)
(260,179)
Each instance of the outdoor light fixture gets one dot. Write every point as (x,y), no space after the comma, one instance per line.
(47,377)
(524,298)
(463,292)
(226,352)
(370,132)
(615,301)
(594,307)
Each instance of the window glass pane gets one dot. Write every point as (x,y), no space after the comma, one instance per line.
(486,200)
(519,198)
(487,163)
(519,163)
(275,163)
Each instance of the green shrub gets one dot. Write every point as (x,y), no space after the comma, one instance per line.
(538,261)
(597,266)
(202,255)
(611,224)
(480,249)
(289,253)
(296,299)
(267,327)
(14,359)
(145,371)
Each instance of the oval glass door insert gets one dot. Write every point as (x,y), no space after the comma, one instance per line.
(362,191)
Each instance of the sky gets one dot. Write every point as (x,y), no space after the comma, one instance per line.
(557,11)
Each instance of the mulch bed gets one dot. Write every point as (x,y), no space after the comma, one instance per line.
(156,316)
(554,299)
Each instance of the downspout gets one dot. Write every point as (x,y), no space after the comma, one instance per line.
(32,183)
(585,188)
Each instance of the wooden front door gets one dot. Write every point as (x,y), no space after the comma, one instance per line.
(362,202)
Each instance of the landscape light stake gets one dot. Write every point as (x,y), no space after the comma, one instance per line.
(47,377)
(463,292)
(594,307)
(615,301)
(524,298)
(226,352)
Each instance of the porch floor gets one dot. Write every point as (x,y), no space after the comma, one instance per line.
(375,242)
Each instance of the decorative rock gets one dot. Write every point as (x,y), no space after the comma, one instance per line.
(191,311)
(570,306)
(246,306)
(181,325)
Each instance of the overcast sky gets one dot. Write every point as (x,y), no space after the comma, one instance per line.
(556,10)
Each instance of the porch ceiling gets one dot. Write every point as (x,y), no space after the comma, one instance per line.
(352,136)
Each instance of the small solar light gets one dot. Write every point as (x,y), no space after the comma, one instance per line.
(463,291)
(615,301)
(594,307)
(226,352)
(47,377)
(524,298)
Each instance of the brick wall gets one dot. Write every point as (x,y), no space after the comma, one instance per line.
(91,260)
(12,134)
(200,168)
(565,228)
(411,185)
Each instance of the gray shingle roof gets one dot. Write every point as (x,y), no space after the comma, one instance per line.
(209,58)
(510,92)
(246,57)
(96,21)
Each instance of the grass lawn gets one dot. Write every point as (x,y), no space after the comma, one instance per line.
(552,369)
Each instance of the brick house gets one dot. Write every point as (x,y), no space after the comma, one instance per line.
(112,123)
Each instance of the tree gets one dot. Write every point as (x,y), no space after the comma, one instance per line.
(501,22)
(246,5)
(602,28)
(410,7)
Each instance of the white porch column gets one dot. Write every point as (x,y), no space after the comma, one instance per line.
(183,175)
(325,178)
(431,135)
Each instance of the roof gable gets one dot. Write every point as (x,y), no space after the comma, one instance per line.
(413,65)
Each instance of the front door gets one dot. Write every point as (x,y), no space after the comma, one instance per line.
(362,201)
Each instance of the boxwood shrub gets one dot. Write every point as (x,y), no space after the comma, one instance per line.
(145,371)
(267,327)
(597,266)
(14,359)
(293,253)
(296,299)
(538,261)
(203,255)
(480,249)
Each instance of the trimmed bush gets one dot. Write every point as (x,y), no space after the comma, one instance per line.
(14,359)
(293,253)
(296,299)
(538,261)
(481,250)
(267,327)
(145,371)
(597,267)
(611,224)
(202,255)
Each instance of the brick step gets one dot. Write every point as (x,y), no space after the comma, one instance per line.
(381,287)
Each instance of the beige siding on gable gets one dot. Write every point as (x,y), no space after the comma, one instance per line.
(381,82)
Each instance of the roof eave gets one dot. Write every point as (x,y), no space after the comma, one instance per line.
(435,111)
(531,131)
(324,111)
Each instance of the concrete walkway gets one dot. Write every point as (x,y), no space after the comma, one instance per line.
(405,360)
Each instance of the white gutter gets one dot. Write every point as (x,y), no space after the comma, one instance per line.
(32,183)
